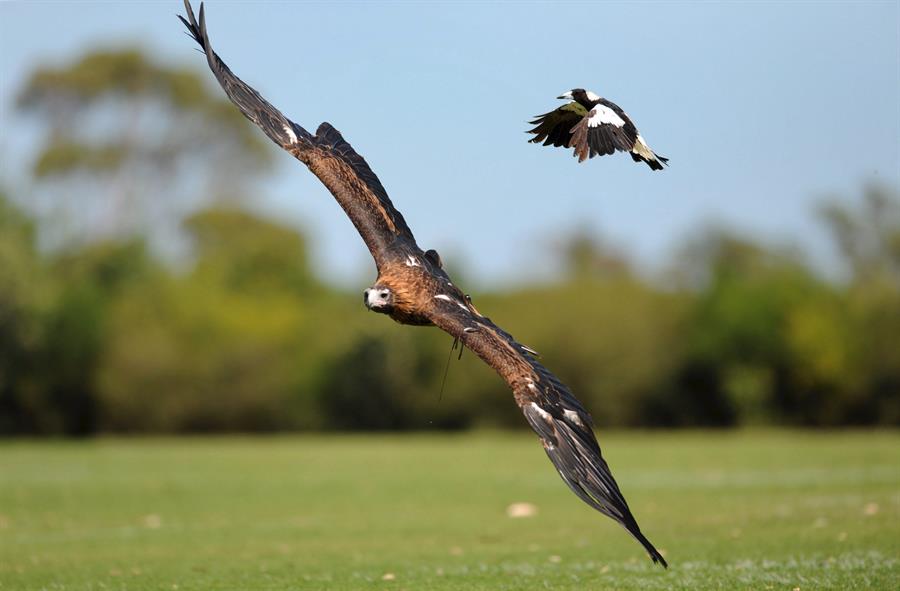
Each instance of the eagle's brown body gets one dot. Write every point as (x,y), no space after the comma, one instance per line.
(413,288)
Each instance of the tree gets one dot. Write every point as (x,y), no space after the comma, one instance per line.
(589,257)
(868,238)
(26,295)
(245,252)
(220,347)
(744,295)
(131,145)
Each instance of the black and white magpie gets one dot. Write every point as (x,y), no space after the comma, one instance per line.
(593,126)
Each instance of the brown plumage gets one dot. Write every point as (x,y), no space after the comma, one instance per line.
(412,288)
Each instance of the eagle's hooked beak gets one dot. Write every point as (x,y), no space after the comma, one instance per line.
(566,95)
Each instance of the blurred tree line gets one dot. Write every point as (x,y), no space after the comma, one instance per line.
(105,326)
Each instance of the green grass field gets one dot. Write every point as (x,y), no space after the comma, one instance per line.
(746,510)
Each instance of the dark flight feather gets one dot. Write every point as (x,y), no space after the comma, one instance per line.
(327,154)
(554,128)
(563,424)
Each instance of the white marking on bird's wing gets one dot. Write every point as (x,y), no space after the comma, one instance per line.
(603,115)
(447,298)
(591,96)
(470,329)
(544,414)
(573,416)
(640,140)
(528,349)
(411,261)
(291,134)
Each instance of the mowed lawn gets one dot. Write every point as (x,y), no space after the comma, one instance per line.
(745,510)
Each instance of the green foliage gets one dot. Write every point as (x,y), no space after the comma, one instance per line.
(868,238)
(187,356)
(745,511)
(126,72)
(588,257)
(68,155)
(105,338)
(24,301)
(245,253)
(66,97)
(53,327)
(782,344)
(391,382)
(220,348)
(97,334)
(131,146)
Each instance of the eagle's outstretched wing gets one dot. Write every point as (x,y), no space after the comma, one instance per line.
(344,172)
(559,419)
(555,128)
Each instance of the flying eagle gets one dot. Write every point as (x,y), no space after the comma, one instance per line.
(593,126)
(413,288)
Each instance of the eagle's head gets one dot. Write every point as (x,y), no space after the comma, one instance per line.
(379,298)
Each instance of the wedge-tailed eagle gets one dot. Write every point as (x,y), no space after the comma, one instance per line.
(593,126)
(413,288)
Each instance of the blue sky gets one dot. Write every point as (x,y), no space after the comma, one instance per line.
(763,108)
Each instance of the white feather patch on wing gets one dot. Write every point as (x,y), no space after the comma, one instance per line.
(573,416)
(529,350)
(411,261)
(544,414)
(290,133)
(447,298)
(603,115)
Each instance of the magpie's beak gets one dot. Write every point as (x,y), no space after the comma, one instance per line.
(567,95)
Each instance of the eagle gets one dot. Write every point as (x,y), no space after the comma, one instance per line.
(593,126)
(413,288)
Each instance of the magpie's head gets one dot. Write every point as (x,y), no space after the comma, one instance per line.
(379,298)
(580,95)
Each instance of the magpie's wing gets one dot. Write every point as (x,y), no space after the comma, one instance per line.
(327,154)
(605,129)
(555,128)
(562,423)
